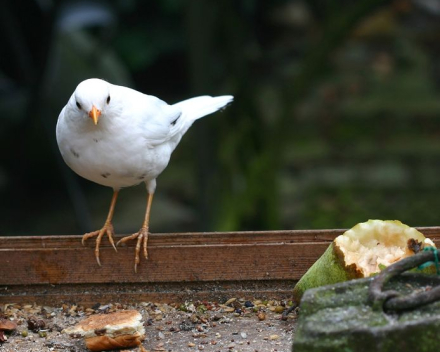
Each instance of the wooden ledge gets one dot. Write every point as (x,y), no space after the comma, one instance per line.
(54,268)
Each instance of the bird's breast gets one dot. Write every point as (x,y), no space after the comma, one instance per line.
(114,159)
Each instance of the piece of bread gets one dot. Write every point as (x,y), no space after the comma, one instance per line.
(110,331)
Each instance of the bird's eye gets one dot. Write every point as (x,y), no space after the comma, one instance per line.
(108,99)
(78,105)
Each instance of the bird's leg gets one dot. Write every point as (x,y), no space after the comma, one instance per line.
(141,235)
(107,228)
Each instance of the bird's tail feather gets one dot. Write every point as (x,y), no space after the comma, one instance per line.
(198,107)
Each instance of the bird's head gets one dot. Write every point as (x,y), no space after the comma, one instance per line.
(92,97)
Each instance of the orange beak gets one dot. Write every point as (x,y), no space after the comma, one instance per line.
(94,114)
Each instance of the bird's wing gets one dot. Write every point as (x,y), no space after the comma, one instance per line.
(161,122)
(155,117)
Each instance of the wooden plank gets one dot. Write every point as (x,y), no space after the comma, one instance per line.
(46,268)
(172,257)
(165,264)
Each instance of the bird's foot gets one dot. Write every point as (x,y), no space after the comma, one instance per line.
(108,229)
(142,237)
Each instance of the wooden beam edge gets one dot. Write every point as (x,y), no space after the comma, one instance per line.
(89,295)
(192,239)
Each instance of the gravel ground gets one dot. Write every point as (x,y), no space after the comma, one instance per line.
(234,325)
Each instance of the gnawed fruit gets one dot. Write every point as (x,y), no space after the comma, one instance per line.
(362,251)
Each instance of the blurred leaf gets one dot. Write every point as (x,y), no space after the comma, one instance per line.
(141,47)
(79,15)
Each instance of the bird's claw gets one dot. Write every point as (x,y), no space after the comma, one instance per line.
(107,229)
(142,238)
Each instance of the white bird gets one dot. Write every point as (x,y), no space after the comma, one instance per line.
(118,137)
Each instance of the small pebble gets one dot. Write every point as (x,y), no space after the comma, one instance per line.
(261,316)
(229,301)
(194,319)
(279,309)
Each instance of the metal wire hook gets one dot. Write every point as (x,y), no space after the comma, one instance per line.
(392,300)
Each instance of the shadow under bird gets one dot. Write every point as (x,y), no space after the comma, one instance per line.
(118,137)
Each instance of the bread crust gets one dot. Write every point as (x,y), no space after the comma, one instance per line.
(111,331)
(104,343)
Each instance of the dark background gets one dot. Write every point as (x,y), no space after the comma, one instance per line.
(336,116)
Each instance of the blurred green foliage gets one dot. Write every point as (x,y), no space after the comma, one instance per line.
(336,117)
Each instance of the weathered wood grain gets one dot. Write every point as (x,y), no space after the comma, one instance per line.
(260,260)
